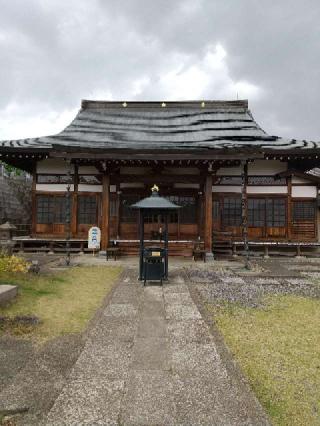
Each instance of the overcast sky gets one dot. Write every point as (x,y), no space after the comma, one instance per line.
(56,52)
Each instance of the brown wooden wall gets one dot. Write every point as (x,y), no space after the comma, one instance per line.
(303,230)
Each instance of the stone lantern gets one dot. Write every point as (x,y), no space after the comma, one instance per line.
(6,237)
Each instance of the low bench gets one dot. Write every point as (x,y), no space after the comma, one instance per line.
(112,252)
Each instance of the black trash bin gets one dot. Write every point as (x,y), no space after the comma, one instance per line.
(153,264)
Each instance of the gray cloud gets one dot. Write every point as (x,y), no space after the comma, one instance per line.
(53,53)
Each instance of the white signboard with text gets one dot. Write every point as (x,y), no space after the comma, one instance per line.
(94,238)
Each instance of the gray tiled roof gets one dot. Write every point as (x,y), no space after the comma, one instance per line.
(148,125)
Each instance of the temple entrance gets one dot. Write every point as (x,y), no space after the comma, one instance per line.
(182,224)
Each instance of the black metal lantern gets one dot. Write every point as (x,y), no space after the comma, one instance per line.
(153,261)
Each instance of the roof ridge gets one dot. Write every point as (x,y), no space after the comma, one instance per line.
(97,104)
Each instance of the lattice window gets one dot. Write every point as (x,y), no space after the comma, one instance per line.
(45,209)
(87,209)
(90,179)
(228,180)
(276,212)
(61,205)
(54,179)
(215,210)
(52,209)
(303,211)
(232,212)
(270,212)
(266,180)
(252,180)
(256,212)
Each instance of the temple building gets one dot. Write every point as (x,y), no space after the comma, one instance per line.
(231,179)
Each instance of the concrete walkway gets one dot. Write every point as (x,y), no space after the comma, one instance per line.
(151,360)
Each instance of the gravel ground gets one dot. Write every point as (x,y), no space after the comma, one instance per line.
(218,286)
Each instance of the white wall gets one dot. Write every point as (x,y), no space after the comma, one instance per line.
(257,168)
(304,191)
(266,167)
(53,187)
(132,185)
(267,189)
(53,166)
(251,189)
(226,188)
(82,187)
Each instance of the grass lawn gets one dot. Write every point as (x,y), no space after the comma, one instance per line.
(64,301)
(278,348)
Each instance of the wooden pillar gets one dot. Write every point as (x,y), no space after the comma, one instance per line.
(105,231)
(141,237)
(208,216)
(289,207)
(244,204)
(74,211)
(118,211)
(166,245)
(34,202)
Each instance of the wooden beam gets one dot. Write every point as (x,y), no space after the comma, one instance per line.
(208,215)
(158,178)
(159,156)
(105,225)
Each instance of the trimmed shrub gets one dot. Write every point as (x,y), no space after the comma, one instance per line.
(13,264)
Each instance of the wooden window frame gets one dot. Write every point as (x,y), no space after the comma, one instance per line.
(95,196)
(303,200)
(57,213)
(226,221)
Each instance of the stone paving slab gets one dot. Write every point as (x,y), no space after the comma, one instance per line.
(152,309)
(121,310)
(149,399)
(90,402)
(104,360)
(175,288)
(153,362)
(182,312)
(178,299)
(188,331)
(124,328)
(152,327)
(153,294)
(196,359)
(151,354)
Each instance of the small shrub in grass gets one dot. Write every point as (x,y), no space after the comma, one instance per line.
(12,264)
(19,324)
